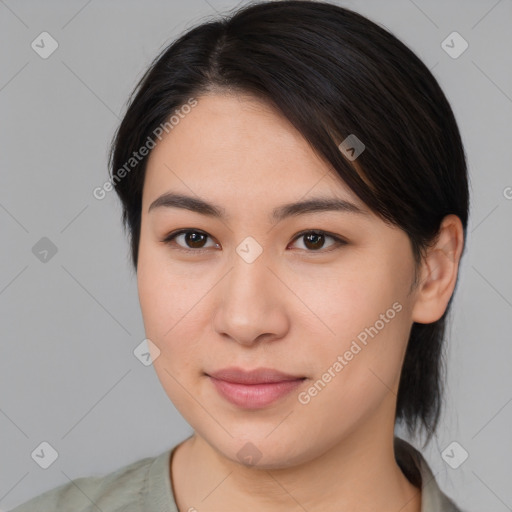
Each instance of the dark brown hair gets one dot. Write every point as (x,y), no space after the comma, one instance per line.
(332,73)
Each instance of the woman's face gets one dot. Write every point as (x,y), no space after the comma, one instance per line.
(252,289)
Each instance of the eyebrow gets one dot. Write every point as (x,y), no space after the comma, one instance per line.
(316,204)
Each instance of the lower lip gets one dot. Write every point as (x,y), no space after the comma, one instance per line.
(254,396)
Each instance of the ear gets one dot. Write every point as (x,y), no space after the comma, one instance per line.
(438,274)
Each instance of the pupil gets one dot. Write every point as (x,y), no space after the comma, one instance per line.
(192,239)
(315,238)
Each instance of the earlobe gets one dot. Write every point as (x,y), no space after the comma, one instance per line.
(439,272)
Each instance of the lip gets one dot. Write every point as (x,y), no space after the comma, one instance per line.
(253,389)
(256,376)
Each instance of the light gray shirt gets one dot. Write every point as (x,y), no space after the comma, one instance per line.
(145,486)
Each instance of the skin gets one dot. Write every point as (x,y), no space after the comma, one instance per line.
(295,308)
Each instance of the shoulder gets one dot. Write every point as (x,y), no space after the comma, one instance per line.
(120,490)
(419,473)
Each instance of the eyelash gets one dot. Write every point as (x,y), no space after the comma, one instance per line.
(169,240)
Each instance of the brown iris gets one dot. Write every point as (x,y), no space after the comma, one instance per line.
(314,240)
(194,239)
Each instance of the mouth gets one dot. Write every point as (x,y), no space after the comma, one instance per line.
(253,389)
(257,376)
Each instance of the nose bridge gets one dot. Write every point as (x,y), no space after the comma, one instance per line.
(248,303)
(249,272)
(248,284)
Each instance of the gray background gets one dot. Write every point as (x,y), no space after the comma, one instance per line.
(69,325)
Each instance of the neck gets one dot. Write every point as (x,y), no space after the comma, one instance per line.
(359,473)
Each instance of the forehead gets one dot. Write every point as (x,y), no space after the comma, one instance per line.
(239,145)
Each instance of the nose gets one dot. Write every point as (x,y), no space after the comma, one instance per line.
(249,306)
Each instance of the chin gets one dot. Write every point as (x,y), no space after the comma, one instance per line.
(261,452)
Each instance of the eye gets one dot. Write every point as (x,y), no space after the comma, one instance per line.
(314,240)
(193,240)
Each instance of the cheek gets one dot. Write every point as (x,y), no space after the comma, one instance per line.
(345,299)
(163,293)
(174,305)
(358,369)
(363,316)
(170,311)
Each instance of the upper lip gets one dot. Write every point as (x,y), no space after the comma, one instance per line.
(256,376)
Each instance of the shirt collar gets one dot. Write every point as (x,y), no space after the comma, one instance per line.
(417,470)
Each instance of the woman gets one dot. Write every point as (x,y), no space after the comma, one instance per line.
(294,185)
